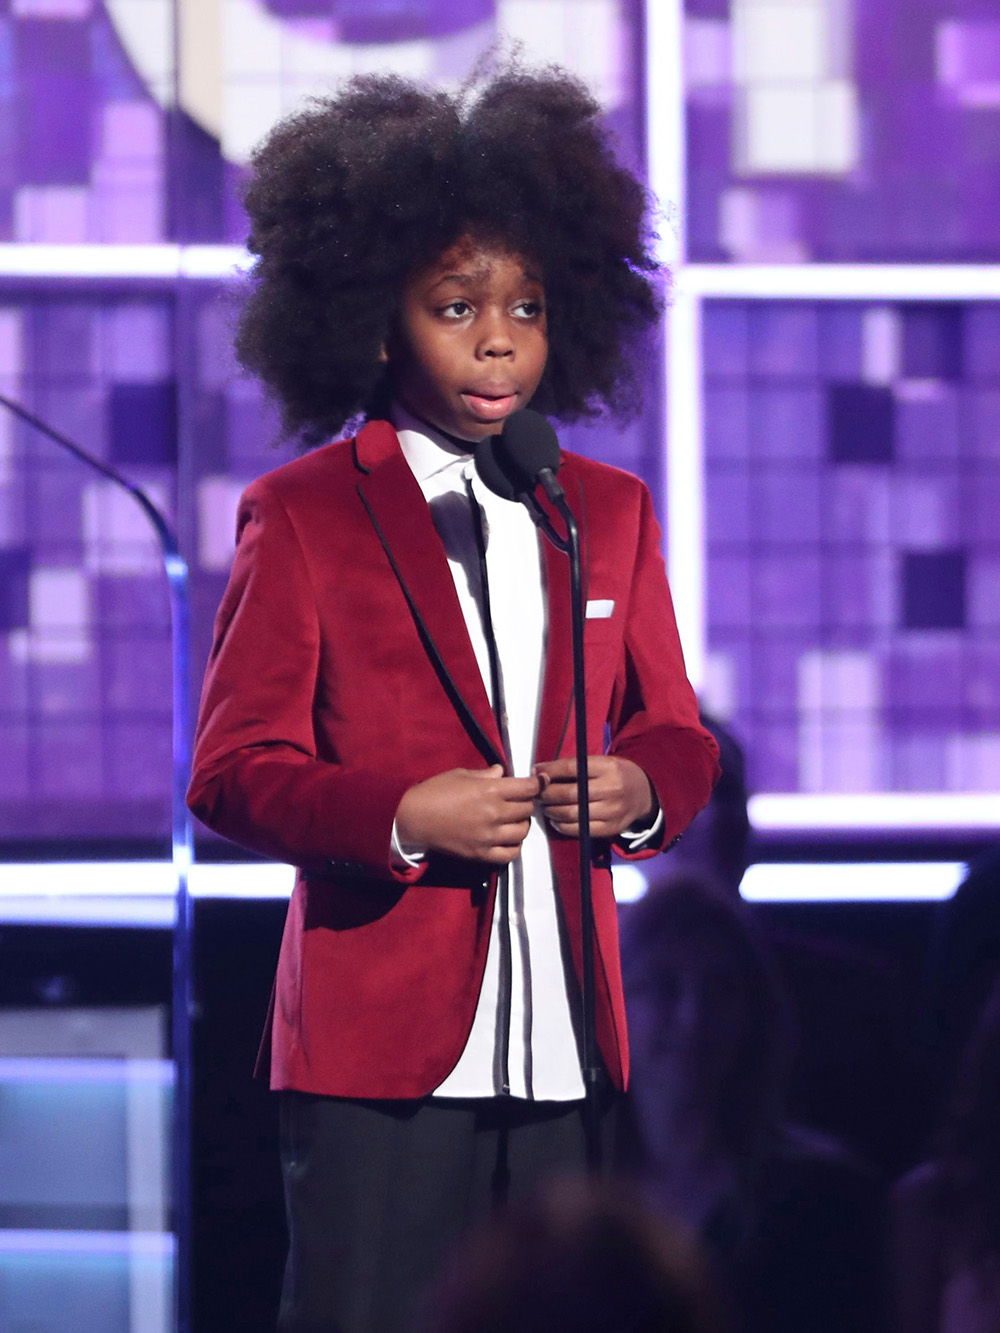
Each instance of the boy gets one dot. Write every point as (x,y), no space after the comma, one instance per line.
(387,705)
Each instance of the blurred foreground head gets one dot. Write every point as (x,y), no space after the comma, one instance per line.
(578,1258)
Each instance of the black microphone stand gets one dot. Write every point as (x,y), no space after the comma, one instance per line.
(570,545)
(182,855)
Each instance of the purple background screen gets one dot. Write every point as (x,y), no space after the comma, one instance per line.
(852,451)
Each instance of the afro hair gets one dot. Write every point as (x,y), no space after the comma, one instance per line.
(350,196)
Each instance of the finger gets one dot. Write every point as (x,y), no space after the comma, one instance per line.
(560,793)
(519,789)
(514,812)
(501,855)
(558,770)
(510,835)
(562,810)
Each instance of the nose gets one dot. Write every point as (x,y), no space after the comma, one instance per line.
(496,340)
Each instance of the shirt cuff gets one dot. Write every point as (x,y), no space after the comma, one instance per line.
(411,859)
(634,839)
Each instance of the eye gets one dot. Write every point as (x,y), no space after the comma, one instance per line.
(455,310)
(528,309)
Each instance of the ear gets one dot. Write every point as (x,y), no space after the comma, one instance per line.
(383,355)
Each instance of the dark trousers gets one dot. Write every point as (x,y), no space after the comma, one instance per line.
(377,1191)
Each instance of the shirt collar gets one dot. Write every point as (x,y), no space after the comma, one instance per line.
(426,450)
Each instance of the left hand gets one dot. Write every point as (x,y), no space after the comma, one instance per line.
(620,793)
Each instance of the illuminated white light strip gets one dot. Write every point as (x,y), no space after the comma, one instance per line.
(872,881)
(143,879)
(51,910)
(685,482)
(843,282)
(122,261)
(903,812)
(149,904)
(666,146)
(666,156)
(157,1244)
(83,1069)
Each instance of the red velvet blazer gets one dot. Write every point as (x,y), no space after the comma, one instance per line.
(341,674)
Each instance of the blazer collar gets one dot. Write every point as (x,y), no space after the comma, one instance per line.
(404,526)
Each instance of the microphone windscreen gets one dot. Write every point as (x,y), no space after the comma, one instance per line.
(490,472)
(527,445)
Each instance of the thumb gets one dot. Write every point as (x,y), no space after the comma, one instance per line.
(494,771)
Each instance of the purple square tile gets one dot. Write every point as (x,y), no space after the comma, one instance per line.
(982,683)
(727,422)
(785,592)
(857,505)
(708,141)
(981,507)
(982,342)
(920,675)
(786,422)
(56,111)
(860,423)
(14,685)
(66,689)
(784,340)
(932,592)
(65,338)
(927,508)
(729,591)
(15,568)
(981,434)
(927,424)
(848,601)
(773,757)
(16,748)
(143,422)
(68,760)
(138,763)
(728,505)
(726,338)
(983,593)
(773,671)
(785,504)
(933,337)
(917,762)
(56,487)
(840,342)
(132,603)
(138,676)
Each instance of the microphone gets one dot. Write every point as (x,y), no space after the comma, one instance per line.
(513,464)
(529,451)
(491,474)
(522,457)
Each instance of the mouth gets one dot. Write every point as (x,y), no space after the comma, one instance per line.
(492,406)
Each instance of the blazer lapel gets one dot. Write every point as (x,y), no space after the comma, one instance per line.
(403,523)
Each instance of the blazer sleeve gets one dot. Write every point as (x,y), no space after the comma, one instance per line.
(257,778)
(654,712)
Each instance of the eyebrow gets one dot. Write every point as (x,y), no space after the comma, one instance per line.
(468,279)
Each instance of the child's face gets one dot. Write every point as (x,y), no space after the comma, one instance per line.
(472,342)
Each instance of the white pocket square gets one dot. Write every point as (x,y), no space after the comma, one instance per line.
(601,609)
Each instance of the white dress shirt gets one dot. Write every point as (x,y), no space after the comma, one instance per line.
(543,1058)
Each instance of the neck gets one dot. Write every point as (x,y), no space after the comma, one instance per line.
(457,443)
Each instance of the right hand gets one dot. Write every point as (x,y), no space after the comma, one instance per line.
(475,813)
